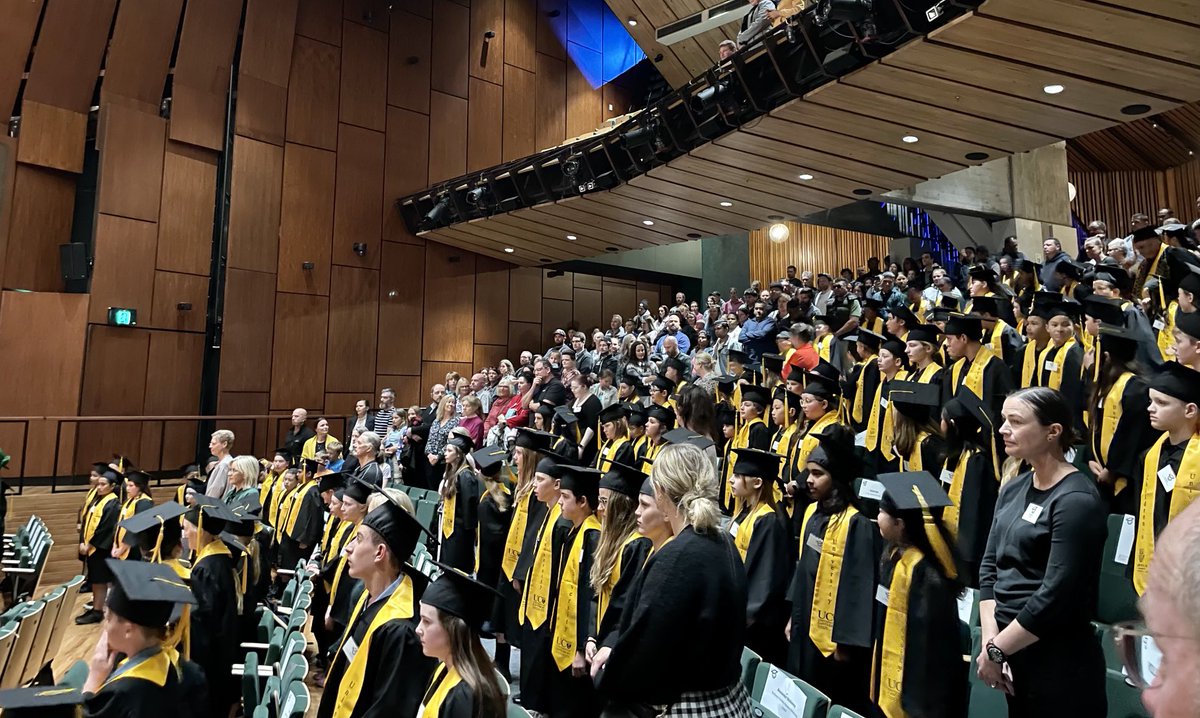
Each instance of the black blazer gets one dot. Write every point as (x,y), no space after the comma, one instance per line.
(350,429)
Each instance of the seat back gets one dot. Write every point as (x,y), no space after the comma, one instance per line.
(840,712)
(65,617)
(750,661)
(8,639)
(28,620)
(786,695)
(251,686)
(275,646)
(295,700)
(51,611)
(1118,599)
(426,511)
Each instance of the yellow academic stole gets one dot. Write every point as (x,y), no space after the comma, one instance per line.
(744,531)
(741,440)
(604,462)
(606,594)
(857,413)
(810,441)
(397,607)
(1187,487)
(93,521)
(127,511)
(444,680)
(179,636)
(294,509)
(563,642)
(974,378)
(958,476)
(824,345)
(1166,336)
(153,669)
(1054,381)
(516,535)
(650,455)
(449,504)
(880,430)
(927,374)
(332,526)
(1109,418)
(997,342)
(913,461)
(829,570)
(87,505)
(891,673)
(339,542)
(534,610)
(1029,366)
(266,495)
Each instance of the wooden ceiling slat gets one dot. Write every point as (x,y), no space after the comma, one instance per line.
(746,214)
(808,160)
(645,188)
(583,244)
(599,237)
(711,179)
(782,191)
(656,211)
(570,210)
(825,190)
(671,231)
(454,238)
(488,231)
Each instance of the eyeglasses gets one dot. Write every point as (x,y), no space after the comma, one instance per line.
(1139,653)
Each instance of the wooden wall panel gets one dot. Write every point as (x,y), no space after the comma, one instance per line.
(247,331)
(245,436)
(556,314)
(588,313)
(649,293)
(131,147)
(52,137)
(1114,197)
(447,136)
(353,326)
(42,204)
(489,355)
(434,372)
(557,287)
(408,389)
(616,299)
(483,131)
(520,34)
(364,76)
(1183,189)
(519,98)
(550,105)
(202,62)
(406,169)
(8,172)
(254,205)
(525,295)
(357,213)
(264,67)
(491,302)
(409,61)
(185,225)
(487,16)
(552,27)
(176,360)
(306,219)
(320,20)
(372,13)
(123,268)
(298,351)
(587,281)
(312,107)
(821,249)
(449,304)
(114,371)
(524,336)
(401,309)
(20,24)
(451,27)
(585,104)
(139,53)
(172,289)
(66,59)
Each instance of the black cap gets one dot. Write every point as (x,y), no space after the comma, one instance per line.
(41,702)
(1189,280)
(871,339)
(756,462)
(969,415)
(647,487)
(1069,269)
(637,414)
(906,315)
(913,491)
(145,593)
(683,435)
(968,325)
(309,467)
(248,510)
(913,398)
(549,465)
(663,384)
(565,415)
(489,459)
(457,594)
(400,530)
(726,383)
(359,490)
(756,395)
(158,526)
(988,305)
(100,467)
(872,303)
(1178,381)
(461,441)
(1115,276)
(739,356)
(773,363)
(983,273)
(334,481)
(286,453)
(941,314)
(210,514)
(613,412)
(894,346)
(927,333)
(726,416)
(582,481)
(675,363)
(622,479)
(1029,266)
(821,386)
(948,301)
(1104,309)
(1118,342)
(534,440)
(1071,310)
(632,380)
(1143,233)
(1188,323)
(665,416)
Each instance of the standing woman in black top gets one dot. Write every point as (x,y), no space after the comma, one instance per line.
(1040,575)
(587,407)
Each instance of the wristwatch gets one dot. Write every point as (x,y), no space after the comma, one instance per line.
(995,655)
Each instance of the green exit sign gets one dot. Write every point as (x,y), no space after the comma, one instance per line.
(119,317)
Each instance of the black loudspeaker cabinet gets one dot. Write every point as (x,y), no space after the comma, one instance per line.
(73,262)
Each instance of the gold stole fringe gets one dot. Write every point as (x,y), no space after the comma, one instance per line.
(398,606)
(516,535)
(890,662)
(562,643)
(533,612)
(1187,487)
(829,570)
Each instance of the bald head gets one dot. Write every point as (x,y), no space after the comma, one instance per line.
(1171,606)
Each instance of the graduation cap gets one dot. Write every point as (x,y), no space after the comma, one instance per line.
(156,528)
(948,301)
(982,273)
(969,325)
(613,412)
(534,440)
(791,400)
(1119,342)
(333,482)
(665,416)
(756,395)
(489,459)
(1069,269)
(675,363)
(399,529)
(894,346)
(309,467)
(726,416)
(969,415)
(739,356)
(914,399)
(285,453)
(582,481)
(927,333)
(565,415)
(1104,310)
(631,380)
(1029,267)
(546,411)
(248,510)
(100,467)
(820,319)
(41,702)
(757,463)
(457,594)
(942,314)
(872,303)
(726,383)
(647,487)
(548,465)
(622,479)
(1188,323)
(773,363)
(871,339)
(1115,276)
(906,315)
(637,415)
(1071,310)
(1174,229)
(210,514)
(918,491)
(359,490)
(835,452)
(1178,381)
(986,305)
(145,593)
(683,435)
(821,386)
(1144,233)
(663,384)
(1189,280)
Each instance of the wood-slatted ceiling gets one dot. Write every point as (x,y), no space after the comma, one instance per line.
(685,59)
(970,89)
(1154,143)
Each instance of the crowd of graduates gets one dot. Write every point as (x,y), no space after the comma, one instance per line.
(828,505)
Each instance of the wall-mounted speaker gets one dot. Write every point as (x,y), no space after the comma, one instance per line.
(73,264)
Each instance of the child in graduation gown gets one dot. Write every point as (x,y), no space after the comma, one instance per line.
(459,492)
(752,433)
(159,535)
(615,430)
(495,516)
(519,542)
(1060,365)
(830,628)
(917,667)
(970,476)
(760,533)
(214,629)
(659,420)
(137,491)
(302,518)
(878,441)
(95,545)
(573,618)
(622,550)
(454,610)
(916,436)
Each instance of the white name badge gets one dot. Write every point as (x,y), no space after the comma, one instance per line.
(883,403)
(1159,325)
(881,594)
(733,528)
(815,543)
(966,602)
(350,648)
(870,489)
(1125,541)
(1166,475)
(947,477)
(1051,365)
(860,439)
(1032,513)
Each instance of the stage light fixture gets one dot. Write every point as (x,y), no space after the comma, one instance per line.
(438,214)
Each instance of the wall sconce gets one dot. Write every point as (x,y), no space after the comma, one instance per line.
(360,248)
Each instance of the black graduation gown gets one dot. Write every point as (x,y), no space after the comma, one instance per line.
(493,532)
(506,617)
(576,697)
(1072,381)
(1132,436)
(759,437)
(935,678)
(306,532)
(102,539)
(458,549)
(976,506)
(997,383)
(767,573)
(1019,362)
(632,559)
(214,632)
(458,703)
(588,414)
(846,683)
(538,671)
(1171,455)
(683,626)
(184,694)
(397,671)
(870,381)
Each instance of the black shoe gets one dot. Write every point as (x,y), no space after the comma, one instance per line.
(89,617)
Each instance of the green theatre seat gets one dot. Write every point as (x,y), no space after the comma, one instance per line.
(750,661)
(815,703)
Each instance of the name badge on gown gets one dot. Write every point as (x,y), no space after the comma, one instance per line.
(1032,513)
(1166,475)
(881,594)
(350,648)
(883,403)
(815,542)
(733,528)
(1051,365)
(947,477)
(860,439)
(1159,325)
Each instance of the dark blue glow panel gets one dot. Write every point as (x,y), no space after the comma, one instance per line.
(597,42)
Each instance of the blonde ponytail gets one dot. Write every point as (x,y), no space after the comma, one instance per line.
(686,476)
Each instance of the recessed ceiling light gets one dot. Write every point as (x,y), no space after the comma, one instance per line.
(806,176)
(648,223)
(977,156)
(1053,89)
(1135,109)
(572,237)
(775,217)
(910,139)
(727,204)
(862,192)
(632,22)
(693,235)
(510,250)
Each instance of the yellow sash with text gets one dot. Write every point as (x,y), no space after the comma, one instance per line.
(829,570)
(535,599)
(398,606)
(563,646)
(516,535)
(1186,489)
(444,680)
(887,691)
(744,531)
